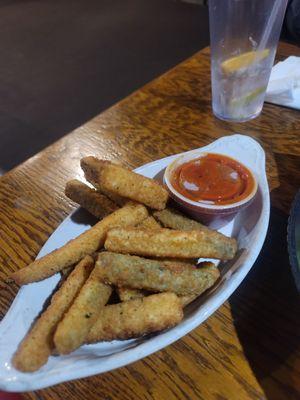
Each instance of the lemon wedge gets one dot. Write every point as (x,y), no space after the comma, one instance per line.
(243,60)
(248,98)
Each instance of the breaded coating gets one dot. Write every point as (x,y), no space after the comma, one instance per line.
(177,264)
(36,347)
(172,260)
(72,331)
(170,243)
(119,200)
(174,219)
(137,317)
(86,243)
(126,294)
(189,298)
(90,199)
(141,273)
(123,182)
(171,218)
(89,167)
(149,223)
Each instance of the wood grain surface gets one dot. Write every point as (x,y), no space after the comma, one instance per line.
(250,348)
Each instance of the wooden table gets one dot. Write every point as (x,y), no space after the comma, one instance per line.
(250,348)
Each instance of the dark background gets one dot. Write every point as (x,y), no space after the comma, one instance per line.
(63,62)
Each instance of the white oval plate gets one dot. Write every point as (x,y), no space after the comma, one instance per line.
(249,227)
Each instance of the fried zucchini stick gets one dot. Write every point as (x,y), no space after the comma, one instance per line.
(123,182)
(189,298)
(91,200)
(149,223)
(173,219)
(86,243)
(72,331)
(126,294)
(137,317)
(175,264)
(141,273)
(36,347)
(91,175)
(119,200)
(171,243)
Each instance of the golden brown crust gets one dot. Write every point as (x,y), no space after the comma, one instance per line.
(170,243)
(90,199)
(149,223)
(122,182)
(34,350)
(137,317)
(126,294)
(86,243)
(177,265)
(141,273)
(171,218)
(92,173)
(72,331)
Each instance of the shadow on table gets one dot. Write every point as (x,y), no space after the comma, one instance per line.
(82,216)
(265,310)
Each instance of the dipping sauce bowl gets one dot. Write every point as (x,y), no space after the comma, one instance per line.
(210,187)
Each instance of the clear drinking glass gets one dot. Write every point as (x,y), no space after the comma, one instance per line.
(244,35)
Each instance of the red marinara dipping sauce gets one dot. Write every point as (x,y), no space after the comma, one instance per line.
(213,179)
